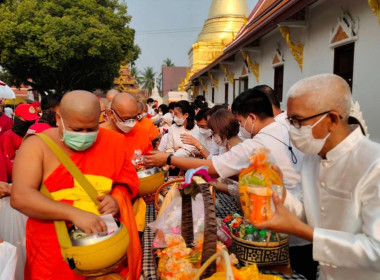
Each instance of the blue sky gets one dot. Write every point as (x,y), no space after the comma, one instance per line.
(167,28)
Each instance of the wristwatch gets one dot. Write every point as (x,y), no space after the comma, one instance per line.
(200,148)
(169,159)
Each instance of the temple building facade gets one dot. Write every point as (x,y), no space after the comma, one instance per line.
(284,41)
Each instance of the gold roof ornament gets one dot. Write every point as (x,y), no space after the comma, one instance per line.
(225,19)
(295,49)
(375,6)
(126,82)
(253,66)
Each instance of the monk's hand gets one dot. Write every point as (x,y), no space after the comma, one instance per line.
(89,222)
(285,221)
(108,205)
(189,140)
(156,158)
(5,189)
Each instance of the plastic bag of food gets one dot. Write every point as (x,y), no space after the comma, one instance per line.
(170,220)
(256,185)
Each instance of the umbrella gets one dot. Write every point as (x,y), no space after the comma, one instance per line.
(6,92)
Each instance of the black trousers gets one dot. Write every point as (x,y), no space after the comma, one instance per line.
(301,260)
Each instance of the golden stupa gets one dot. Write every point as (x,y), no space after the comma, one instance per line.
(225,19)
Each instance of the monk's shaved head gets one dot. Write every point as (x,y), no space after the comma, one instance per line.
(140,105)
(125,105)
(112,93)
(103,103)
(79,103)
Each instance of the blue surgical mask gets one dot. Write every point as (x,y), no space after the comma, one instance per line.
(78,141)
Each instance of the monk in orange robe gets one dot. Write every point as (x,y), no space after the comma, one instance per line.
(96,152)
(147,124)
(122,118)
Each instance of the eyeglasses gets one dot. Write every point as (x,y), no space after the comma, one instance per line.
(297,122)
(122,119)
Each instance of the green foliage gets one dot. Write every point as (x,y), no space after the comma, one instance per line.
(135,73)
(147,79)
(167,62)
(6,77)
(63,45)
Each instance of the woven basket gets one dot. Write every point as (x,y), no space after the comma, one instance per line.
(261,253)
(163,190)
(210,227)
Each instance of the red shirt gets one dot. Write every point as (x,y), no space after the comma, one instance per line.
(10,142)
(3,168)
(5,123)
(38,128)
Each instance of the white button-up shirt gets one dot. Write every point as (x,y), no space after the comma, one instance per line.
(341,200)
(273,137)
(174,140)
(281,118)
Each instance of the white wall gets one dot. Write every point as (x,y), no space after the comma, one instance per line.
(319,57)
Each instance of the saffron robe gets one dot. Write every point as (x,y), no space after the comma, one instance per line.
(107,158)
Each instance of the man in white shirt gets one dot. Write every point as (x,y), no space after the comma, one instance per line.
(340,180)
(279,115)
(254,112)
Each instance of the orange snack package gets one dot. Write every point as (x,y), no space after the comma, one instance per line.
(255,187)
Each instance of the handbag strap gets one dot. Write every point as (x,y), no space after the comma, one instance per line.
(60,226)
(71,167)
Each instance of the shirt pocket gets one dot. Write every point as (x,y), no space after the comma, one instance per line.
(340,194)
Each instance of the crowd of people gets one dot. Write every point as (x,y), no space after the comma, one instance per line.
(331,171)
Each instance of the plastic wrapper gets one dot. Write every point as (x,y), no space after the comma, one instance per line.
(256,185)
(246,273)
(170,220)
(12,230)
(8,260)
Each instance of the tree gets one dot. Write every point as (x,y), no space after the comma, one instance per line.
(5,77)
(147,79)
(166,63)
(135,73)
(62,45)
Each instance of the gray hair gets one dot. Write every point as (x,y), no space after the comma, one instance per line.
(325,92)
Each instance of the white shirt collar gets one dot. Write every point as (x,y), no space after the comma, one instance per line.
(346,145)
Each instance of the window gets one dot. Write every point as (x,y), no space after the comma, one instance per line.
(236,88)
(226,93)
(243,84)
(344,62)
(213,95)
(278,81)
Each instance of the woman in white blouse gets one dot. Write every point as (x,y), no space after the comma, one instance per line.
(184,122)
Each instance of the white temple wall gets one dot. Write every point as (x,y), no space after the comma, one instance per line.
(319,57)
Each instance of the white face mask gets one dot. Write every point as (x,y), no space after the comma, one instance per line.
(205,132)
(126,126)
(161,114)
(179,121)
(304,140)
(246,134)
(218,140)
